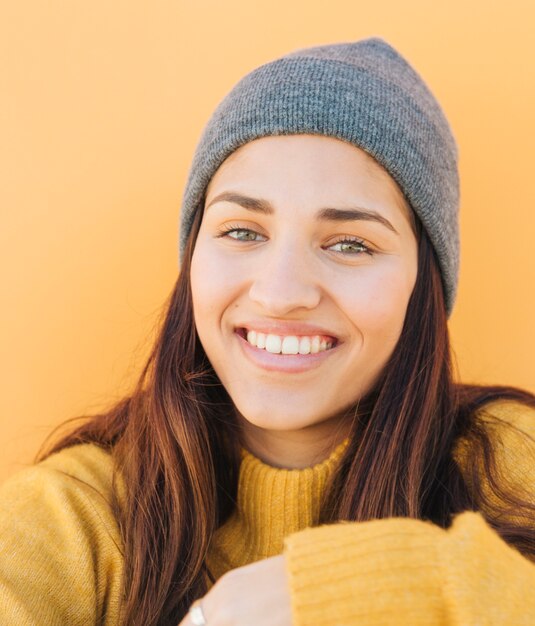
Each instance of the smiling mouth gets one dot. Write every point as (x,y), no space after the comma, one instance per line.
(288,344)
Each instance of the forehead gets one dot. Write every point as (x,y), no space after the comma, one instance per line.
(317,169)
(308,151)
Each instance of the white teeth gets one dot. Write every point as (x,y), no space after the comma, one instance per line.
(304,345)
(273,344)
(290,344)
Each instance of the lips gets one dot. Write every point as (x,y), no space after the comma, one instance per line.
(283,363)
(242,332)
(297,329)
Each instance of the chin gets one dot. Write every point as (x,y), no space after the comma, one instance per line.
(279,420)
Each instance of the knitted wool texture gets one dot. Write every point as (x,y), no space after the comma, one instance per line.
(62,557)
(365,93)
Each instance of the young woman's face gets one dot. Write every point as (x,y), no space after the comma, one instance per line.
(319,244)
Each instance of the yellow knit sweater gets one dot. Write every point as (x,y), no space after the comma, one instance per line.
(61,563)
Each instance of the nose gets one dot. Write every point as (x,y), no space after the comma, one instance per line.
(284,280)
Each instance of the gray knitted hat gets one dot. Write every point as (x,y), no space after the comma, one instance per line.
(363,92)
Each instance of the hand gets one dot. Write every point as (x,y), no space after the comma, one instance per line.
(253,594)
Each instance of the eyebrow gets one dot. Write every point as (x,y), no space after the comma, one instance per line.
(326,214)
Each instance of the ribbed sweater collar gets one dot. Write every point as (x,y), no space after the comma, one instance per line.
(271,504)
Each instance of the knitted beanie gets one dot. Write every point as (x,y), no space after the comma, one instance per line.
(363,92)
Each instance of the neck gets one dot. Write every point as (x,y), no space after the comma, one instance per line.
(296,449)
(271,503)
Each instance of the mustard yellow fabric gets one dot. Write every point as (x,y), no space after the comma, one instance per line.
(61,563)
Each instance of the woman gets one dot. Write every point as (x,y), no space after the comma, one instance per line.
(295,451)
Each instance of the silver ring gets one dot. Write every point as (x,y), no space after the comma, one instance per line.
(196,614)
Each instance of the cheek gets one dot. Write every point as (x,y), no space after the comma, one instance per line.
(213,284)
(377,304)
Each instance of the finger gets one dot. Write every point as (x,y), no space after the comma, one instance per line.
(196,614)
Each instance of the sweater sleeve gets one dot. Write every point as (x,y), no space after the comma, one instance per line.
(60,559)
(410,572)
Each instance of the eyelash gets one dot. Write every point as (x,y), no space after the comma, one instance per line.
(224,232)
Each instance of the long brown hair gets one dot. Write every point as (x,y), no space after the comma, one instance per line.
(175,446)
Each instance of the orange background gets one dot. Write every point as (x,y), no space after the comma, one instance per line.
(101,108)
